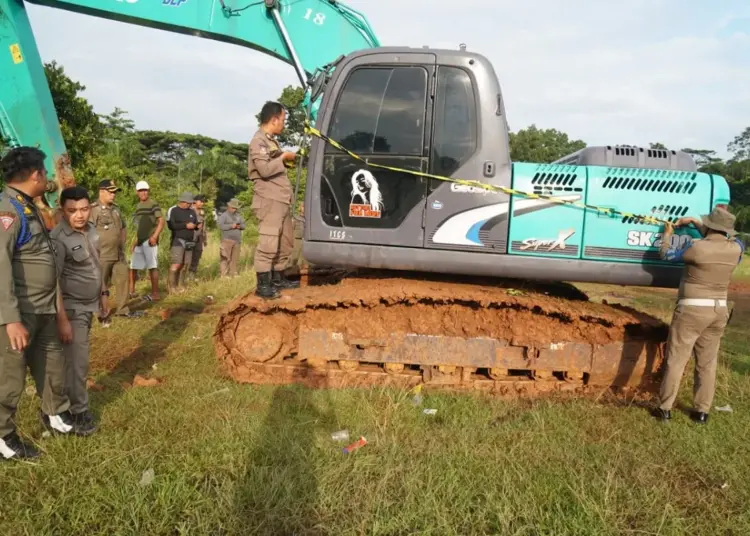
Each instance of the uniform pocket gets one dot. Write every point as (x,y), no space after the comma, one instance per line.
(79,254)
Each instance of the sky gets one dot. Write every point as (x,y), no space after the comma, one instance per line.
(604,71)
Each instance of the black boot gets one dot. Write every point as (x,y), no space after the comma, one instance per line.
(84,423)
(699,417)
(265,288)
(64,424)
(663,415)
(11,446)
(281,282)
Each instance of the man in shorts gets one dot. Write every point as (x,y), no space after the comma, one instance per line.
(149,223)
(183,222)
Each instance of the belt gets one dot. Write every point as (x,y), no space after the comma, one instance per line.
(702,302)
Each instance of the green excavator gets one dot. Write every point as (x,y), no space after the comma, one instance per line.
(454,256)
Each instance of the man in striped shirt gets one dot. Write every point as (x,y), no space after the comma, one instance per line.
(148,222)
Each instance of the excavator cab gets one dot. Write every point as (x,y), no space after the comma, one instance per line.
(397,107)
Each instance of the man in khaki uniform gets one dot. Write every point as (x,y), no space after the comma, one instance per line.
(231,224)
(201,237)
(29,301)
(111,228)
(271,202)
(701,314)
(77,248)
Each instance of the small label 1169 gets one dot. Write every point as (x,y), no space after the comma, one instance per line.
(337,234)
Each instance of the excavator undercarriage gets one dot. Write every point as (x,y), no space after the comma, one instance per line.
(363,328)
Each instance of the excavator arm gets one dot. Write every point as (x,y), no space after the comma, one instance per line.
(310,35)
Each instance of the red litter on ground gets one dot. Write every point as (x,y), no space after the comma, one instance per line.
(361,442)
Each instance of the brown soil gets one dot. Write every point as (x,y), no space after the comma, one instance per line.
(361,315)
(739,287)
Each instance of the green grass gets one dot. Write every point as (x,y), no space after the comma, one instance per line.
(238,459)
(742,272)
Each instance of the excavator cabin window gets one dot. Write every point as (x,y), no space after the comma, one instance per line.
(380,114)
(381,110)
(455,131)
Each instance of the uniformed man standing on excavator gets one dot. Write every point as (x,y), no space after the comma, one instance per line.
(701,314)
(271,202)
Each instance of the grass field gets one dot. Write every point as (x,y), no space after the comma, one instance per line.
(231,459)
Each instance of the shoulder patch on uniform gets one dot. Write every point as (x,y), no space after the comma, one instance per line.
(7,219)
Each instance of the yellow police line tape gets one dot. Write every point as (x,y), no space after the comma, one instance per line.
(510,191)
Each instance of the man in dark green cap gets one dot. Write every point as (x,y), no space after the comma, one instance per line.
(111,229)
(701,314)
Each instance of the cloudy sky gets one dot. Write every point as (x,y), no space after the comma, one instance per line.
(605,71)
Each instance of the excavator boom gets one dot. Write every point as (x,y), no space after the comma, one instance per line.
(307,34)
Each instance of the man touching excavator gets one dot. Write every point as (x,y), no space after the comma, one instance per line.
(271,202)
(701,313)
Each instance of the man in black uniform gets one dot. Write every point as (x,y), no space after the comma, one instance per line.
(182,221)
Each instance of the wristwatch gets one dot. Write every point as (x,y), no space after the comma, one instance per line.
(105,293)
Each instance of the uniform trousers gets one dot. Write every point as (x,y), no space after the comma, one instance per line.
(695,330)
(276,240)
(117,272)
(45,358)
(77,360)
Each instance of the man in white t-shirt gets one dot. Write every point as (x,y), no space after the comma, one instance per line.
(148,222)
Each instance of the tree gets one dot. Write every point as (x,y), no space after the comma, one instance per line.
(740,146)
(81,128)
(541,146)
(657,145)
(291,98)
(702,157)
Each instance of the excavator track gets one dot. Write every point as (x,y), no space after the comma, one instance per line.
(382,328)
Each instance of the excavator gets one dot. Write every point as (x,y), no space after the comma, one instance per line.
(453,266)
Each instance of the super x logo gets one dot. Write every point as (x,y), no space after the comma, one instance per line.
(367,201)
(550,244)
(651,239)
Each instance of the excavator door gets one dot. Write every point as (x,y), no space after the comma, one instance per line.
(379,106)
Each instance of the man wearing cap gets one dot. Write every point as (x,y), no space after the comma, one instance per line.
(201,237)
(111,229)
(701,313)
(231,224)
(271,202)
(149,223)
(183,222)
